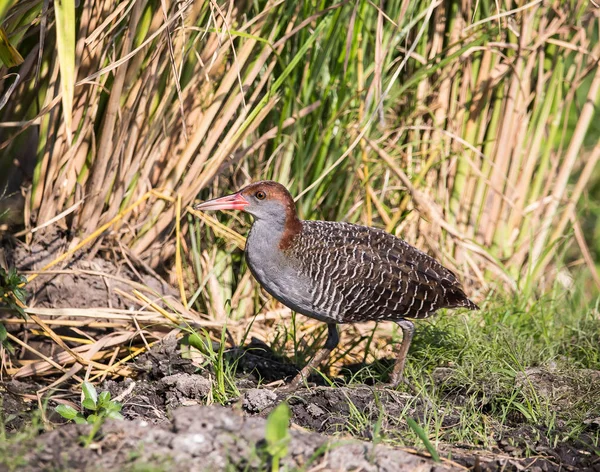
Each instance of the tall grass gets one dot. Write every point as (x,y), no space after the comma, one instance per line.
(464,126)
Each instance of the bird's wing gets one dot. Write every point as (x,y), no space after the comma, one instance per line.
(369,274)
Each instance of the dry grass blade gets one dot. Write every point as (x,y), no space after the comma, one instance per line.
(9,56)
(178,252)
(46,359)
(86,353)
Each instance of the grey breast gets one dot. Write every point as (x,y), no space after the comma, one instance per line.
(279,274)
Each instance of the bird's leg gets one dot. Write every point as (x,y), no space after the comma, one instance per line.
(333,338)
(408,328)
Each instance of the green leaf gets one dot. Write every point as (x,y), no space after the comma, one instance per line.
(12,294)
(92,419)
(20,293)
(18,309)
(67,412)
(9,347)
(9,55)
(89,393)
(423,436)
(4,6)
(115,415)
(104,399)
(528,413)
(3,333)
(277,432)
(89,404)
(65,39)
(80,419)
(195,340)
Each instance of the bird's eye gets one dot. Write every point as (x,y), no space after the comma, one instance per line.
(260,195)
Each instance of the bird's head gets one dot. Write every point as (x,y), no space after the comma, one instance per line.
(265,200)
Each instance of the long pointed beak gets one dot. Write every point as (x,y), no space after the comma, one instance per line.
(230,202)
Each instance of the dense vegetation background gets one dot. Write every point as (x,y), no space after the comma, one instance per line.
(468,127)
(471,128)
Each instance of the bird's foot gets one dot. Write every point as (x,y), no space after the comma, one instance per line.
(295,384)
(281,386)
(395,383)
(275,384)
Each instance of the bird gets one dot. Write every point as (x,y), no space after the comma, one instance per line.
(338,272)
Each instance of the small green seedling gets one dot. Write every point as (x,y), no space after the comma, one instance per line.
(12,296)
(223,387)
(277,434)
(4,339)
(100,406)
(12,293)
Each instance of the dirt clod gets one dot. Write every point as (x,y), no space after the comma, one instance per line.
(559,388)
(315,411)
(163,360)
(207,438)
(14,412)
(258,399)
(184,388)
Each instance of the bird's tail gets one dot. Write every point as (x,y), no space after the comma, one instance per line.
(458,299)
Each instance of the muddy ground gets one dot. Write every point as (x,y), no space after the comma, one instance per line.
(208,438)
(169,425)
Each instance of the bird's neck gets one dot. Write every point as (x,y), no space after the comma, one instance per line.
(278,234)
(293,227)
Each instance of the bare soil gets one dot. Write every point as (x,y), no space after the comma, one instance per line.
(78,282)
(169,425)
(208,438)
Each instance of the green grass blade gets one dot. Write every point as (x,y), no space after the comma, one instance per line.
(4,6)
(9,55)
(65,39)
(423,436)
(279,81)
